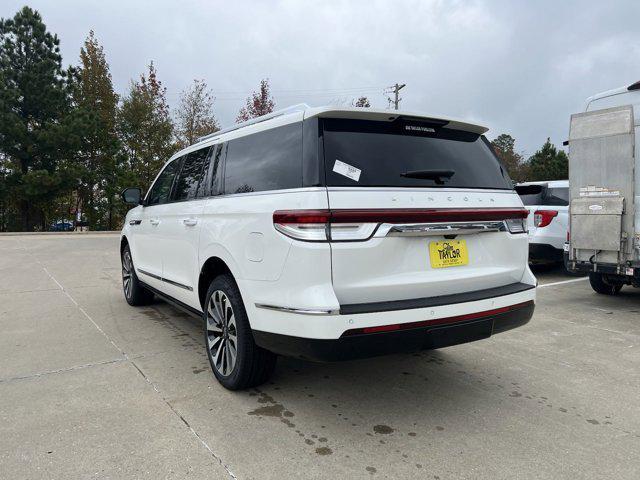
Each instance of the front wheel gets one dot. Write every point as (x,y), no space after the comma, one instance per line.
(602,287)
(237,362)
(134,292)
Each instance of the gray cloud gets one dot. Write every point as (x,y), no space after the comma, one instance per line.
(516,66)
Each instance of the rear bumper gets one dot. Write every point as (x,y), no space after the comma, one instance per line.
(606,268)
(438,334)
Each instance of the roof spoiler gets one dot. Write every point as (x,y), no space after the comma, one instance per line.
(634,86)
(300,107)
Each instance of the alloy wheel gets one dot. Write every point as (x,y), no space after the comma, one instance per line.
(222,335)
(127,267)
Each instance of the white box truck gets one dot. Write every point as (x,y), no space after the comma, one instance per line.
(604,223)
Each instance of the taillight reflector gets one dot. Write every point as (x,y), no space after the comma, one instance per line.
(438,321)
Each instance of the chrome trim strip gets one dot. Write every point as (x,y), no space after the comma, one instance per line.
(301,311)
(166,280)
(423,190)
(439,229)
(148,274)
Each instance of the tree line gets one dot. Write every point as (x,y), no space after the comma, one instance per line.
(69,143)
(548,163)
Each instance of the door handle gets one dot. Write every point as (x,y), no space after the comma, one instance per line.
(154,221)
(190,222)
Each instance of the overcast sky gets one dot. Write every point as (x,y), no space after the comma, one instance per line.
(520,67)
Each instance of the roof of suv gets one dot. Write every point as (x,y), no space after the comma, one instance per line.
(297,113)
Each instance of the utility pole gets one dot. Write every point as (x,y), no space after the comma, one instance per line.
(396,97)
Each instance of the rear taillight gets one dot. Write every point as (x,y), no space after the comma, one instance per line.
(516,225)
(354,225)
(309,225)
(542,218)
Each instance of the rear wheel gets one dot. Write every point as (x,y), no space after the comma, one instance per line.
(237,362)
(134,292)
(601,286)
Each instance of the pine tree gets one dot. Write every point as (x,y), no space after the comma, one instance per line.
(194,115)
(504,146)
(98,182)
(145,129)
(37,128)
(548,163)
(258,103)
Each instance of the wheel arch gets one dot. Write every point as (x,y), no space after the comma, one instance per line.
(213,267)
(123,243)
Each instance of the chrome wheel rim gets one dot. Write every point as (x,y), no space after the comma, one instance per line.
(127,267)
(222,335)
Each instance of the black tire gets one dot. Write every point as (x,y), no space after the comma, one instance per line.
(135,294)
(600,286)
(252,365)
(565,263)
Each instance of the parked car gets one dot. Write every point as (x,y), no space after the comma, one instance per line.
(62,226)
(331,234)
(548,220)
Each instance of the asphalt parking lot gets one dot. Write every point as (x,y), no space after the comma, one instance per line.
(93,388)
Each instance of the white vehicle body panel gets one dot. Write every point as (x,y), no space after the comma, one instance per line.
(397,268)
(554,234)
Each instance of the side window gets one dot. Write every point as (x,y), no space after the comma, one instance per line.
(268,160)
(218,153)
(161,189)
(190,176)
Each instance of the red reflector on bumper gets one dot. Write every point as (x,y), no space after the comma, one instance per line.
(438,321)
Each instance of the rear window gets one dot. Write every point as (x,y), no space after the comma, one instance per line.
(408,154)
(543,195)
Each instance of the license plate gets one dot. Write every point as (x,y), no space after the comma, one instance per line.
(450,253)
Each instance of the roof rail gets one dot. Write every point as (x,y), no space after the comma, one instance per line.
(300,107)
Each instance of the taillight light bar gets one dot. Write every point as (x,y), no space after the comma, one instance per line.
(360,224)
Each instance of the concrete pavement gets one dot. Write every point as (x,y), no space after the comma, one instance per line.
(93,388)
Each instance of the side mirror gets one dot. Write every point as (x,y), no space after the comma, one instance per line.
(132,196)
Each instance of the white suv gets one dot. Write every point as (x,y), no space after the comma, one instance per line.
(331,234)
(548,220)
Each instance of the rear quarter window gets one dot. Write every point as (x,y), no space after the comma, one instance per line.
(408,154)
(268,160)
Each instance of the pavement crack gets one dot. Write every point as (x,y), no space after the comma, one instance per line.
(125,357)
(186,422)
(62,370)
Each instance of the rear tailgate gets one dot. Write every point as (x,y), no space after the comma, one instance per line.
(409,256)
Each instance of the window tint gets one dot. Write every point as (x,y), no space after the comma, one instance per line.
(215,169)
(531,194)
(190,177)
(162,187)
(557,196)
(408,154)
(269,160)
